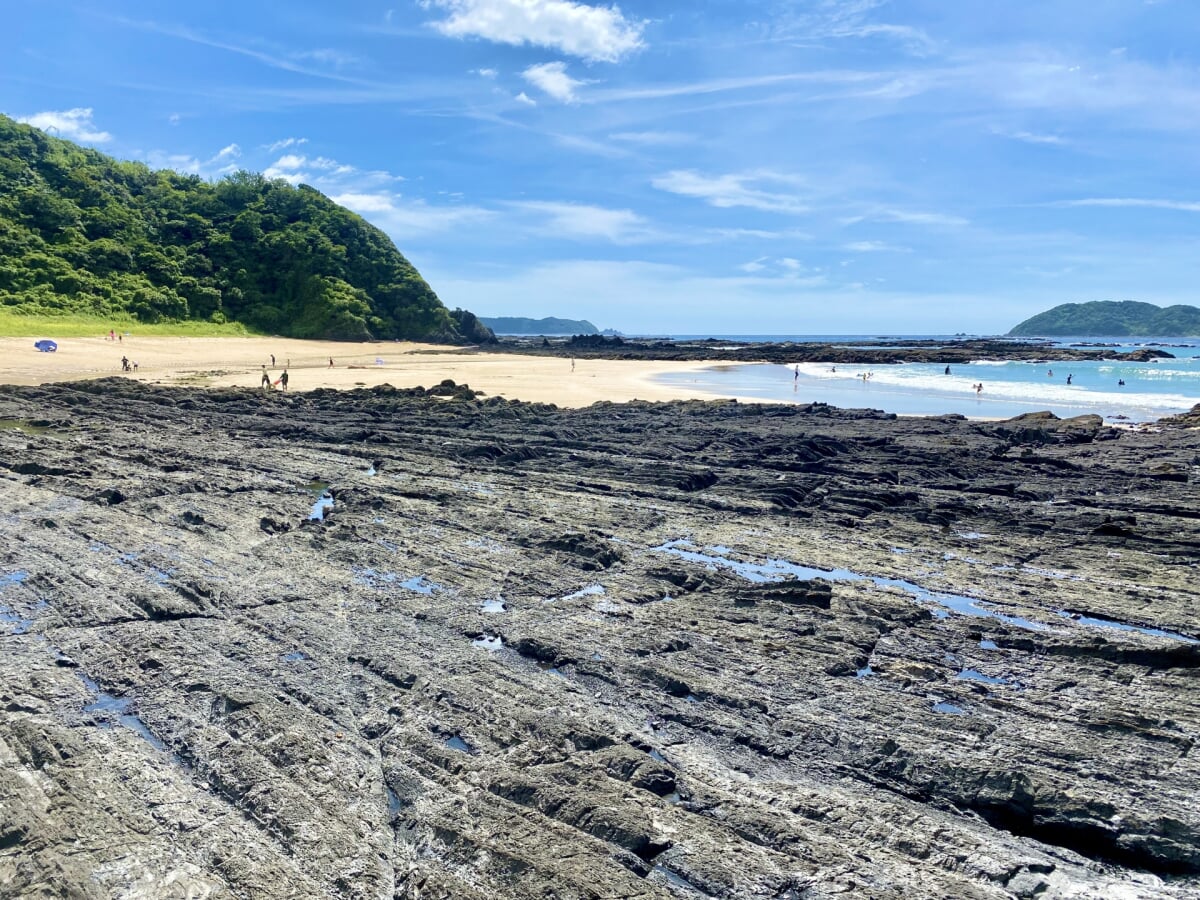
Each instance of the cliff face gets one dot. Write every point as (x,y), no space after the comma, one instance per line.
(396,643)
(1105,318)
(81,232)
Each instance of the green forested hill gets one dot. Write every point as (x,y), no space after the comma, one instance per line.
(1108,318)
(83,233)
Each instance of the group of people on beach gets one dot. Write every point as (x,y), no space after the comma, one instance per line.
(280,382)
(126,365)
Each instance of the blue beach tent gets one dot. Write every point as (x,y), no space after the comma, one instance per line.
(46,346)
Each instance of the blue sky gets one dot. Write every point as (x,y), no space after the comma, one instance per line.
(760,166)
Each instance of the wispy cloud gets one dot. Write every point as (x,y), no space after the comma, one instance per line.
(594,33)
(274,60)
(73,124)
(908,217)
(402,218)
(284,144)
(653,138)
(584,221)
(1030,137)
(734,189)
(874,247)
(552,79)
(1135,203)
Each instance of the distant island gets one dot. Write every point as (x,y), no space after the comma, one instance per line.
(548,326)
(1109,318)
(84,234)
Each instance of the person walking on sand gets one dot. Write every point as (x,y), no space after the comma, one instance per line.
(331,362)
(272,360)
(266,379)
(283,379)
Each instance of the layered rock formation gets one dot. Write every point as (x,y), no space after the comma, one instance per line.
(422,644)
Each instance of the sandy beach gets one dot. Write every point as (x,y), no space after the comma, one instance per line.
(238,362)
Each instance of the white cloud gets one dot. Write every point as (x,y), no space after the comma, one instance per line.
(726,191)
(873,247)
(290,161)
(73,124)
(365,203)
(594,33)
(755,265)
(291,177)
(485,73)
(174,118)
(525,98)
(578,220)
(1030,137)
(231,151)
(552,78)
(653,138)
(1135,203)
(406,219)
(329,57)
(908,217)
(284,144)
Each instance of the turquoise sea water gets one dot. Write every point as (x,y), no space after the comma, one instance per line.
(1151,389)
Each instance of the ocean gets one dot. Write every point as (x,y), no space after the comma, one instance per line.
(1151,389)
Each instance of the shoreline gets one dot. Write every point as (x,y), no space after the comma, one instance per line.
(238,361)
(235,361)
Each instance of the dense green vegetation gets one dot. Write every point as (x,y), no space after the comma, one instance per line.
(86,235)
(1108,318)
(518,325)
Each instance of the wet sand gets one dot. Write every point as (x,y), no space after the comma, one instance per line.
(237,362)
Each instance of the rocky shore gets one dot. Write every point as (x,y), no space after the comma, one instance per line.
(424,644)
(880,352)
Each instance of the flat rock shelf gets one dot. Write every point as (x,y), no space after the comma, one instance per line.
(630,651)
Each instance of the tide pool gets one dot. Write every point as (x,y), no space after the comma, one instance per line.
(1151,389)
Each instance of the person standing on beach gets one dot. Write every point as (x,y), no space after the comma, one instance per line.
(283,379)
(266,379)
(796,375)
(272,360)
(331,362)
(572,364)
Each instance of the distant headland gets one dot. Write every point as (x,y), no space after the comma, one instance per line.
(1108,318)
(547,326)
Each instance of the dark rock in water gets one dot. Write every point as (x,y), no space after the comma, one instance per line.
(642,650)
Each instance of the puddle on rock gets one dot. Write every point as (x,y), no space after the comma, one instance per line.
(421,585)
(11,578)
(864,672)
(493,606)
(988,645)
(454,742)
(591,590)
(1097,622)
(491,644)
(323,504)
(976,675)
(655,755)
(109,705)
(27,427)
(294,656)
(948,708)
(778,569)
